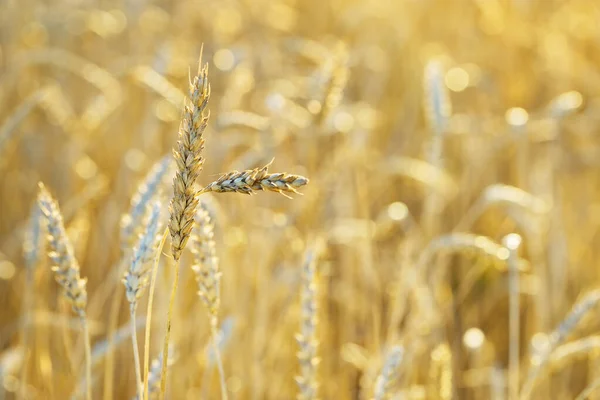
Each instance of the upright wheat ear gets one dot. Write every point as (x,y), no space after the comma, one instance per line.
(65,266)
(66,270)
(188,156)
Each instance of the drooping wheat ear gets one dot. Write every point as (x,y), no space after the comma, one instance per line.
(147,190)
(440,373)
(307,338)
(387,379)
(206,264)
(437,101)
(540,361)
(66,271)
(257,179)
(65,266)
(188,156)
(137,277)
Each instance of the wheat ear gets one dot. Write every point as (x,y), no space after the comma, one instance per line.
(307,337)
(137,278)
(66,270)
(208,276)
(257,179)
(146,192)
(188,156)
(388,377)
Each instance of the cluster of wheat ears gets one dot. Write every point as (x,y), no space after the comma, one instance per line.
(445,248)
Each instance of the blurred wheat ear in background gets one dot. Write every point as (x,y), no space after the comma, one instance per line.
(421,218)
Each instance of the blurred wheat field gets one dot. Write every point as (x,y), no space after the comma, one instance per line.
(435,235)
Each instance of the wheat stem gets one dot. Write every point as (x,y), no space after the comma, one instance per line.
(214,335)
(88,357)
(136,355)
(149,310)
(163,376)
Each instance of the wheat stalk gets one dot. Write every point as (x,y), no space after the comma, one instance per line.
(66,270)
(307,338)
(257,179)
(512,242)
(440,373)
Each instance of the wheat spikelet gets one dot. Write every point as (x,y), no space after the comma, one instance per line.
(307,338)
(65,266)
(188,156)
(257,179)
(387,379)
(147,190)
(136,278)
(206,264)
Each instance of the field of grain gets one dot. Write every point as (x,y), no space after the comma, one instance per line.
(300,199)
